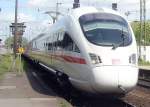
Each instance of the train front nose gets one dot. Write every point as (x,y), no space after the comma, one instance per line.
(114,79)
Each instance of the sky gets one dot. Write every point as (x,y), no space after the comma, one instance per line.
(32,13)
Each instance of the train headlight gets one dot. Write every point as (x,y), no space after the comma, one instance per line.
(95,58)
(132,59)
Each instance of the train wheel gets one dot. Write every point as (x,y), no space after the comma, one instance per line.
(64,83)
(62,79)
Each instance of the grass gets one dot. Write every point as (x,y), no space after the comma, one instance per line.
(5,62)
(144,63)
(16,66)
(7,65)
(64,104)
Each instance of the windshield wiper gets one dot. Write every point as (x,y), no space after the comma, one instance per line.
(117,45)
(124,37)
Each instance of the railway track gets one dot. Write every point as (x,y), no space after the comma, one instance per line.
(139,97)
(78,99)
(73,96)
(144,78)
(126,104)
(144,83)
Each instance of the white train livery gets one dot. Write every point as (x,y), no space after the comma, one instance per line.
(95,49)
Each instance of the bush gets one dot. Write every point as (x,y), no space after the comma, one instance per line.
(143,62)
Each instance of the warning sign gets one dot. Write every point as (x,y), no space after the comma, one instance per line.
(21,50)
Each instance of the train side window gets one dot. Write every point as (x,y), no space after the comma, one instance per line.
(57,39)
(76,49)
(67,43)
(53,42)
(60,40)
(49,46)
(35,45)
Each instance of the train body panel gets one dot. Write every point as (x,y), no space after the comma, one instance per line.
(95,49)
(116,77)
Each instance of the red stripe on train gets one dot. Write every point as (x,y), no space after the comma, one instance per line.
(74,59)
(70,59)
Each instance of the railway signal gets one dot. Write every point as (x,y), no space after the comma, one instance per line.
(21,50)
(18,34)
(17,42)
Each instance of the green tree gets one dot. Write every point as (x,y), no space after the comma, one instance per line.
(10,41)
(136,29)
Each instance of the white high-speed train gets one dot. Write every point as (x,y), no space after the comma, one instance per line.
(95,49)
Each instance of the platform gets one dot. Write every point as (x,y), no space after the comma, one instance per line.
(144,67)
(21,91)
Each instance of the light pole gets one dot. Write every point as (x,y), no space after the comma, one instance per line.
(142,25)
(0,39)
(52,16)
(55,13)
(127,13)
(15,32)
(57,4)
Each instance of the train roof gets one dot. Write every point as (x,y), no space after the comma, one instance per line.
(76,13)
(39,36)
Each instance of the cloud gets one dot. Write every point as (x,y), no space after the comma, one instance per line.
(36,25)
(42,3)
(25,18)
(128,1)
(148,4)
(7,16)
(21,17)
(37,3)
(46,23)
(51,4)
(35,28)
